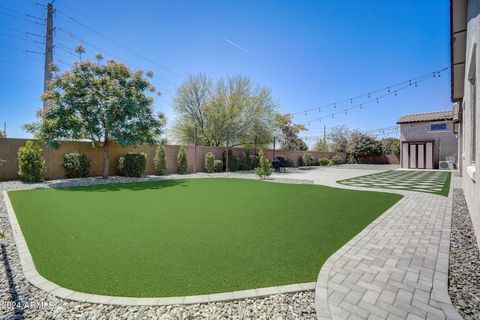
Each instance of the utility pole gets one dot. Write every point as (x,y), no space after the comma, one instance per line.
(325,136)
(47,75)
(273,158)
(226,153)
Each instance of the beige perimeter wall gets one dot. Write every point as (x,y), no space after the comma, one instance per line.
(54,157)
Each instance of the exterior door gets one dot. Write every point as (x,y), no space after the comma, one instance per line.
(413,156)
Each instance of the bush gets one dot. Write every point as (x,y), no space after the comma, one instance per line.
(31,164)
(323,162)
(290,163)
(233,161)
(76,165)
(330,163)
(210,162)
(300,161)
(2,162)
(133,164)
(182,165)
(160,162)
(247,161)
(307,159)
(218,164)
(263,170)
(336,160)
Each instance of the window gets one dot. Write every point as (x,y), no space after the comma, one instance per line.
(438,127)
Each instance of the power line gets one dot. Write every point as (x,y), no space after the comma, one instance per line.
(120,44)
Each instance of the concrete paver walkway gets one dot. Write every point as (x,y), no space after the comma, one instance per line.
(396,268)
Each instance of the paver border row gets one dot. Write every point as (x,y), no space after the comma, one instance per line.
(31,274)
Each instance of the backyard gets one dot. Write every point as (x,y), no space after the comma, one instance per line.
(189,236)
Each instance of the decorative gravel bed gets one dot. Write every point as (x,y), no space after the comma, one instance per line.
(20,300)
(464,275)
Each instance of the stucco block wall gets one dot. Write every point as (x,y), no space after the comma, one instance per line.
(54,157)
(445,142)
(472,186)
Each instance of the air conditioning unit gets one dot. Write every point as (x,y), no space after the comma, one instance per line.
(445,165)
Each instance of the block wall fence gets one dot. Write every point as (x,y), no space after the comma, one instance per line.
(54,157)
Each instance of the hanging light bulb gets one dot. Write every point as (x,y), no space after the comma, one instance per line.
(415,84)
(409,82)
(319,109)
(346,111)
(369,95)
(377,100)
(434,74)
(388,89)
(395,92)
(361,106)
(351,100)
(332,116)
(334,105)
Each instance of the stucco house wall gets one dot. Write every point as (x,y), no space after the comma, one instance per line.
(468,100)
(445,141)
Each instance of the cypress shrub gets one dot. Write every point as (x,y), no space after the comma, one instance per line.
(263,170)
(210,162)
(182,165)
(160,161)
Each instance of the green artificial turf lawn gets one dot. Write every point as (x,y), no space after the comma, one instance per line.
(188,237)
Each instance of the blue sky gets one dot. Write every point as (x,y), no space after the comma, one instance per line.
(310,53)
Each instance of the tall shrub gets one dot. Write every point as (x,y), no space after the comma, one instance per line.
(307,159)
(182,165)
(31,164)
(133,164)
(76,164)
(233,161)
(160,160)
(263,170)
(209,162)
(247,162)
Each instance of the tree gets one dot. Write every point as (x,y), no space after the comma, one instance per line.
(2,134)
(321,146)
(339,137)
(31,164)
(391,146)
(230,111)
(103,103)
(363,144)
(289,132)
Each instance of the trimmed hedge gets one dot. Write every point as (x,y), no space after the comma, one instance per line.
(336,160)
(133,164)
(76,165)
(31,164)
(323,162)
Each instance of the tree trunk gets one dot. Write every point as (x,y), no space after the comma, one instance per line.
(106,159)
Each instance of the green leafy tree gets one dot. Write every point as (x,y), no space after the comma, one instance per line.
(363,144)
(321,146)
(391,146)
(104,103)
(31,164)
(2,134)
(263,170)
(182,165)
(339,138)
(290,131)
(229,111)
(160,160)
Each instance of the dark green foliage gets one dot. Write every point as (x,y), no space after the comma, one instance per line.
(76,165)
(336,160)
(233,161)
(300,161)
(323,162)
(31,164)
(133,164)
(291,163)
(362,144)
(391,146)
(263,170)
(182,165)
(218,165)
(307,159)
(210,162)
(160,161)
(247,161)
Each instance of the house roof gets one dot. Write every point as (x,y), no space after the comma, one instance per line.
(426,117)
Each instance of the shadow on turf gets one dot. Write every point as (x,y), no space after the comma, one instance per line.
(133,186)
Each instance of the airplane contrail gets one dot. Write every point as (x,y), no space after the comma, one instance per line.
(237,46)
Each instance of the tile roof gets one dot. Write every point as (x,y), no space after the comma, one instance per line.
(426,117)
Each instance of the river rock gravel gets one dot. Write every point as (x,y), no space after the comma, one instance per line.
(464,275)
(20,300)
